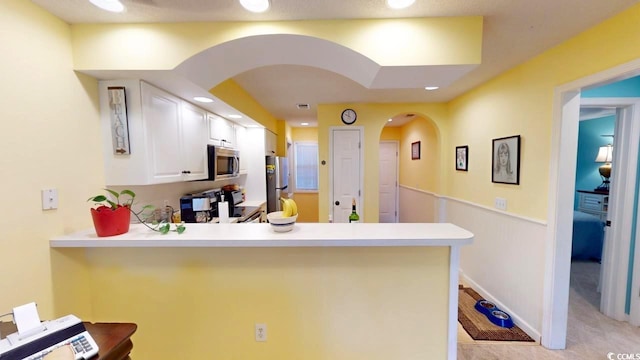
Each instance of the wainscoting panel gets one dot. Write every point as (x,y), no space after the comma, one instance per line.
(417,206)
(505,263)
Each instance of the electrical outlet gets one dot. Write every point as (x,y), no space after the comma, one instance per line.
(501,203)
(49,199)
(261,332)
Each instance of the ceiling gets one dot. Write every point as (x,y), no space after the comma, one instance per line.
(514,31)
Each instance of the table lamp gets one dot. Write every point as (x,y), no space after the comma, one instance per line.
(605,155)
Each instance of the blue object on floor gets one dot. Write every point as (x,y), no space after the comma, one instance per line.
(501,319)
(495,315)
(485,307)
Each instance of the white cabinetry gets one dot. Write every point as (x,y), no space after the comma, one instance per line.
(194,142)
(221,132)
(167,137)
(242,146)
(594,203)
(270,143)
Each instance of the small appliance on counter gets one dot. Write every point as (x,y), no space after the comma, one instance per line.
(200,208)
(244,214)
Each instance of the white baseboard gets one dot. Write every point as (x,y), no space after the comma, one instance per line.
(535,335)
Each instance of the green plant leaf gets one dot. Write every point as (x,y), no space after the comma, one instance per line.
(128,192)
(164,228)
(131,194)
(115,194)
(99,198)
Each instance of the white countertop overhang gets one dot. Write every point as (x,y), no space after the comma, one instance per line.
(261,235)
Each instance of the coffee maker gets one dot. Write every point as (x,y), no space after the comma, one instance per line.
(199,208)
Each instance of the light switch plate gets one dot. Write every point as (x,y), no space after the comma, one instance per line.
(501,203)
(49,199)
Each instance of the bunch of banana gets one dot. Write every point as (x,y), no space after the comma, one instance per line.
(289,207)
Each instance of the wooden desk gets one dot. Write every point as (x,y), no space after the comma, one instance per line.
(113,339)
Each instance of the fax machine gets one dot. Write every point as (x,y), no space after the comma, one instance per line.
(67,330)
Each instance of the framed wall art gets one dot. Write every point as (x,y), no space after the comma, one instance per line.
(415,150)
(119,121)
(506,160)
(462,158)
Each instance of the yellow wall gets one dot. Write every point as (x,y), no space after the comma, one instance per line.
(519,102)
(231,93)
(372,118)
(318,303)
(391,133)
(51,126)
(284,136)
(307,201)
(442,40)
(420,173)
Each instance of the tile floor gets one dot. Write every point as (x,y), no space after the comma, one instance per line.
(590,334)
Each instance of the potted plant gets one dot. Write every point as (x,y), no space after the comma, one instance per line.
(111,217)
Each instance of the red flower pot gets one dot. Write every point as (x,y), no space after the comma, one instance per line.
(110,222)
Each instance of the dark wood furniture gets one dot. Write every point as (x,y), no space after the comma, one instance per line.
(113,339)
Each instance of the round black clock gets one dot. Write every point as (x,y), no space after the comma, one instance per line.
(349,116)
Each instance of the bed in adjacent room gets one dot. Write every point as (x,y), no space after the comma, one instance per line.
(588,237)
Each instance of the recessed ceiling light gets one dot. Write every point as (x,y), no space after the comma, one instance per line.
(304,124)
(109,5)
(234,116)
(390,120)
(203,99)
(431,88)
(400,4)
(256,6)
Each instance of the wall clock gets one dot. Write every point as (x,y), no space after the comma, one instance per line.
(349,116)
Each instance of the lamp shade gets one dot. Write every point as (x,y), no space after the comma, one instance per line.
(605,154)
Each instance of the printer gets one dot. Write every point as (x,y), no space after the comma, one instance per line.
(34,345)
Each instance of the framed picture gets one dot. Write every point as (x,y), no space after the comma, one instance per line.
(462,157)
(119,121)
(415,150)
(506,160)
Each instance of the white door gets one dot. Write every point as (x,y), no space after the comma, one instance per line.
(388,182)
(346,170)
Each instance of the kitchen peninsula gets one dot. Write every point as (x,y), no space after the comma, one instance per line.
(325,291)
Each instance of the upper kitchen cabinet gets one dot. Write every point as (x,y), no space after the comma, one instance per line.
(270,143)
(167,137)
(243,144)
(222,132)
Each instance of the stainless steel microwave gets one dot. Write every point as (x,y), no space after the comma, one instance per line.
(223,163)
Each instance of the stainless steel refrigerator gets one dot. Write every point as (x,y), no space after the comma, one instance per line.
(277,171)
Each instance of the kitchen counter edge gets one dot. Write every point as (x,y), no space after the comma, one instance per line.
(261,235)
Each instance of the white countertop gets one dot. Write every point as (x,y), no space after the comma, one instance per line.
(261,235)
(256,203)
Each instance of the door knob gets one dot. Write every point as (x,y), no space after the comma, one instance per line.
(337,203)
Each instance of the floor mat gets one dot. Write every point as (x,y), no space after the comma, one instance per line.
(478,326)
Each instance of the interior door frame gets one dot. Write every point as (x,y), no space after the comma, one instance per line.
(566,102)
(616,250)
(397,188)
(362,207)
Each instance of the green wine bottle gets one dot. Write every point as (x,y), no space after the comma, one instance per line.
(354,217)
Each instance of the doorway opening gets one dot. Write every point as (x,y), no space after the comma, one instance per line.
(618,252)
